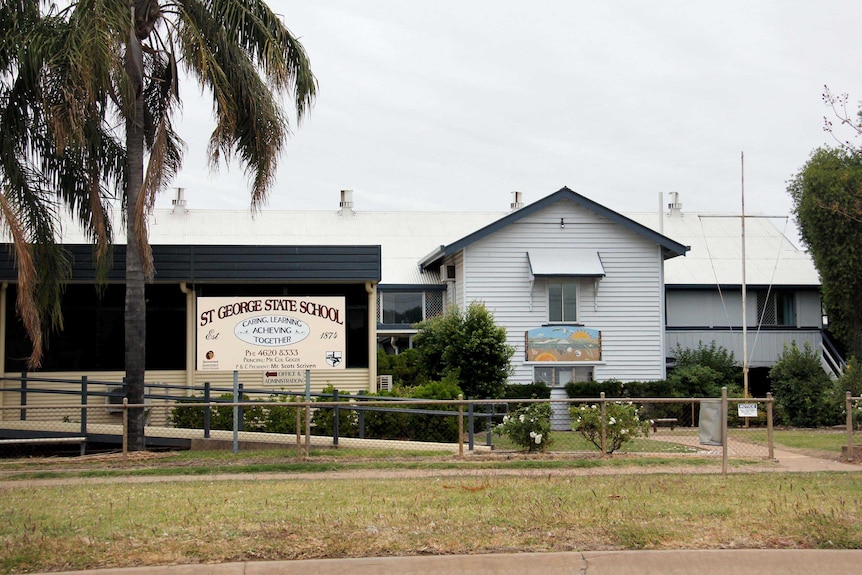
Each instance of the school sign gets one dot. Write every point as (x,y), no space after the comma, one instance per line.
(270,333)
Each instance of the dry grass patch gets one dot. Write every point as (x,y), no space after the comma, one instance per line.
(125,524)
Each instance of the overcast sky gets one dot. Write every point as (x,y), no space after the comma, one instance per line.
(452,105)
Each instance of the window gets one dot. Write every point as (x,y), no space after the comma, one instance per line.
(776,308)
(560,376)
(562,301)
(401,307)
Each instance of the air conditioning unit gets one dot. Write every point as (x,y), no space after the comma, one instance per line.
(115,399)
(384,383)
(447,273)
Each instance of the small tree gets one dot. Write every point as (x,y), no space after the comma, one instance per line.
(623,424)
(800,386)
(469,346)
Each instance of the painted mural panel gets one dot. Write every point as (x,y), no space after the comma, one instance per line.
(563,343)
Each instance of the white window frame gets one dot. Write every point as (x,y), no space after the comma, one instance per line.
(564,282)
(575,372)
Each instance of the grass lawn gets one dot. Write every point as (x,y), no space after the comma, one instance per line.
(828,440)
(126,523)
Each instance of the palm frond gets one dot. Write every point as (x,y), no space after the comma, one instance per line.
(226,44)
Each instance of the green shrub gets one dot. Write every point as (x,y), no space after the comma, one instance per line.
(536,390)
(703,371)
(850,380)
(405,368)
(657,388)
(323,418)
(593,389)
(800,387)
(418,427)
(259,417)
(529,427)
(622,425)
(191,417)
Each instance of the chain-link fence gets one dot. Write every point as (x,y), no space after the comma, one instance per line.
(84,415)
(177,417)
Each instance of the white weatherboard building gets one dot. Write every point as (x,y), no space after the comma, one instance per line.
(584,292)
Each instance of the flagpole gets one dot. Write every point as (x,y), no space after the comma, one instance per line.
(744,316)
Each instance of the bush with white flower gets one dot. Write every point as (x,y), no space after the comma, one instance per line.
(623,424)
(529,427)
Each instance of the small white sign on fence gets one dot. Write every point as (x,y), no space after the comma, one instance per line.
(747,409)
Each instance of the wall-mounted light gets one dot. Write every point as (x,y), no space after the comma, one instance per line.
(562,223)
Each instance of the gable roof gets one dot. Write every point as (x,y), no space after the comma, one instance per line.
(670,248)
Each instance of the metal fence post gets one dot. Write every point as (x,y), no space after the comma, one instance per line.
(298,433)
(240,410)
(335,418)
(724,431)
(83,403)
(604,413)
(470,423)
(307,411)
(207,410)
(23,413)
(361,418)
(769,436)
(460,425)
(125,428)
(235,412)
(848,405)
(489,423)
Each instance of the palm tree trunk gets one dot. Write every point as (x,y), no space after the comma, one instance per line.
(135,310)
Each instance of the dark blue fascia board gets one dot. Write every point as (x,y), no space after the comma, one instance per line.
(232,263)
(670,248)
(410,287)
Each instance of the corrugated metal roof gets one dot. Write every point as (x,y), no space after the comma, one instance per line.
(716,251)
(406,237)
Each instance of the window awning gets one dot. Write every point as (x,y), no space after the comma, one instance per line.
(565,263)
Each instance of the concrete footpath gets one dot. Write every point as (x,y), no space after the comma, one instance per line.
(694,562)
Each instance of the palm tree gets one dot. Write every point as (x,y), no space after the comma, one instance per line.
(108,74)
(38,178)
